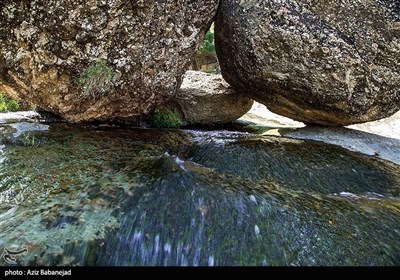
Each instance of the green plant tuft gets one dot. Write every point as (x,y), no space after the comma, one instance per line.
(96,80)
(208,45)
(7,104)
(28,140)
(167,120)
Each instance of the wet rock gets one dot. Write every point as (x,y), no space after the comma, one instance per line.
(330,62)
(19,116)
(353,140)
(208,99)
(380,138)
(98,60)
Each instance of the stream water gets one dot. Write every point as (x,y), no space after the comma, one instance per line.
(108,196)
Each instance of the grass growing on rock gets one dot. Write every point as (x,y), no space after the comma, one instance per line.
(96,80)
(8,104)
(168,119)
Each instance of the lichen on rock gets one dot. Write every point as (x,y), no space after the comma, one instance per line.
(48,47)
(332,62)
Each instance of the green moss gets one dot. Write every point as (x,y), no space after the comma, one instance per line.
(170,119)
(8,104)
(96,80)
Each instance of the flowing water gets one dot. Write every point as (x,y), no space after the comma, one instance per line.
(108,196)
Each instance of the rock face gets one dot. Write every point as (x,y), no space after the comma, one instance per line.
(332,62)
(98,60)
(208,99)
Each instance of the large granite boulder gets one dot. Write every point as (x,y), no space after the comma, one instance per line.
(98,60)
(331,62)
(204,99)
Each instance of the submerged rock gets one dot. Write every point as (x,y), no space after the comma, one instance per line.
(98,60)
(331,62)
(207,99)
(120,197)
